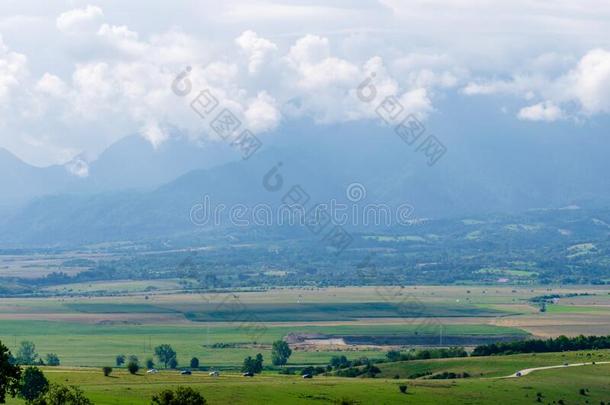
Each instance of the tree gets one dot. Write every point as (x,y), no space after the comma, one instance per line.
(182,396)
(133,367)
(249,365)
(280,353)
(173,363)
(150,364)
(120,360)
(52,359)
(133,359)
(339,362)
(10,374)
(253,365)
(194,362)
(393,355)
(62,395)
(165,353)
(33,384)
(259,363)
(107,371)
(403,388)
(26,355)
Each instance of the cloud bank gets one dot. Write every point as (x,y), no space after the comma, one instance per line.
(111,74)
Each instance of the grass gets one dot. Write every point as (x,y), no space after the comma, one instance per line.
(496,366)
(92,331)
(79,344)
(108,308)
(574,309)
(554,385)
(121,286)
(335,311)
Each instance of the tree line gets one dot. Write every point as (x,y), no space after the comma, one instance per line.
(559,344)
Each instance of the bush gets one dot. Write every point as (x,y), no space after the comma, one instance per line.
(52,360)
(182,396)
(10,374)
(393,355)
(107,371)
(133,367)
(120,360)
(150,364)
(62,395)
(345,401)
(194,362)
(253,365)
(448,375)
(33,384)
(403,388)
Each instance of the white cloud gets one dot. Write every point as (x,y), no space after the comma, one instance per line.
(308,50)
(584,89)
(262,113)
(523,86)
(271,62)
(153,132)
(80,19)
(51,85)
(256,48)
(122,39)
(590,82)
(545,111)
(13,69)
(78,166)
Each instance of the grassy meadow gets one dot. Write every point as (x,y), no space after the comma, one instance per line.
(221,329)
(554,385)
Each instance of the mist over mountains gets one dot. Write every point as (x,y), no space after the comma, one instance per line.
(134,191)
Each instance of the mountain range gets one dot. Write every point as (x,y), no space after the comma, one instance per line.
(134,191)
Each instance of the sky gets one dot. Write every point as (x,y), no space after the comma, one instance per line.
(76,76)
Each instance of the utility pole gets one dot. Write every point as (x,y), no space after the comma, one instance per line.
(441,335)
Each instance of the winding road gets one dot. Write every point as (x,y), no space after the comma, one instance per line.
(527,371)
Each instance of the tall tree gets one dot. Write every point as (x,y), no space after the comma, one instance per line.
(10,374)
(280,353)
(249,365)
(165,353)
(33,384)
(26,354)
(258,364)
(194,362)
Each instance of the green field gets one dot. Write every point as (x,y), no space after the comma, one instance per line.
(79,344)
(554,385)
(88,332)
(496,366)
(574,309)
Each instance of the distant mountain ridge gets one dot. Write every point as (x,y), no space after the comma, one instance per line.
(136,192)
(21,182)
(132,163)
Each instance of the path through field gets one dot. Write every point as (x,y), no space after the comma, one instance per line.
(526,371)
